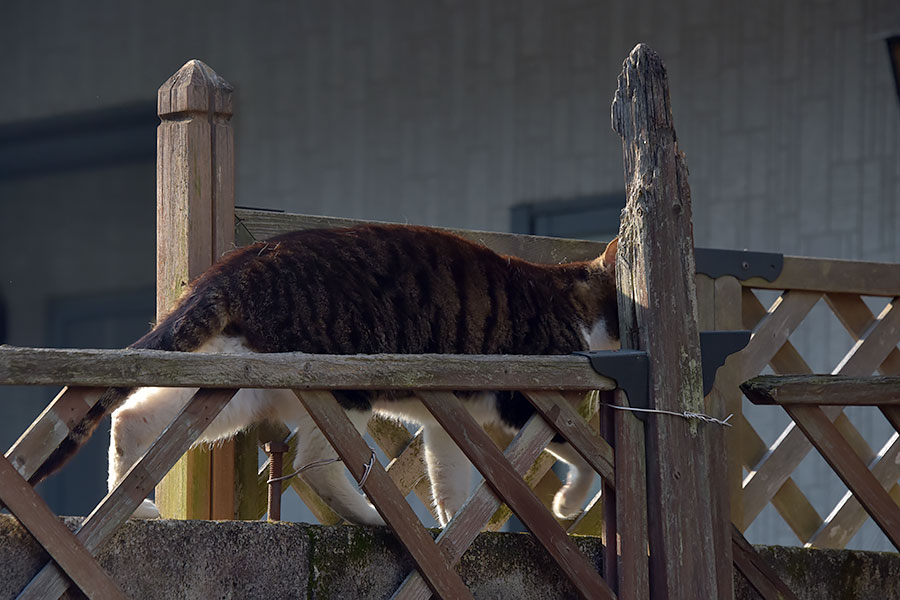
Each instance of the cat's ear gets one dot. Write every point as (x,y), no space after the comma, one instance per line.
(608,258)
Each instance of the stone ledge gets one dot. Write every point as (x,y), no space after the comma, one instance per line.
(243,560)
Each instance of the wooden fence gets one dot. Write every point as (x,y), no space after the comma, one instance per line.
(666,495)
(842,286)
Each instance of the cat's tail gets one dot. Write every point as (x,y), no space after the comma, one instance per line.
(196,318)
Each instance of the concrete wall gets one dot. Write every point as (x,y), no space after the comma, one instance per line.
(202,560)
(449,113)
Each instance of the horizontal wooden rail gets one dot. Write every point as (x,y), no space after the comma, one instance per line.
(823,390)
(798,272)
(253,225)
(92,368)
(834,275)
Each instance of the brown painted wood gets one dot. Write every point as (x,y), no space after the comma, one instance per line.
(631,503)
(195,226)
(757,571)
(121,502)
(259,225)
(507,484)
(60,543)
(782,319)
(42,366)
(789,500)
(610,502)
(563,418)
(725,397)
(849,515)
(768,476)
(852,471)
(834,275)
(350,446)
(838,390)
(658,314)
(459,534)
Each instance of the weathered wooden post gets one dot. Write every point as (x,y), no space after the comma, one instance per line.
(195,226)
(690,549)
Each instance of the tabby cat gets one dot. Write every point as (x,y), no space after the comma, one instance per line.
(365,290)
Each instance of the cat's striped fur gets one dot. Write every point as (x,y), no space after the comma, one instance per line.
(366,289)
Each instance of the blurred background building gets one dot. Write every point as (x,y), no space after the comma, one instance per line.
(487,115)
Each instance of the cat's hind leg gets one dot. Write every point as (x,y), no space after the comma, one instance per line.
(571,497)
(449,471)
(135,426)
(330,480)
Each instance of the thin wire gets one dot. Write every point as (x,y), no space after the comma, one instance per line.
(318,463)
(327,461)
(684,415)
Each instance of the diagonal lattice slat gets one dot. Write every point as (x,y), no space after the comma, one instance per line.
(462,530)
(782,319)
(121,502)
(60,543)
(836,451)
(355,454)
(790,449)
(848,516)
(474,442)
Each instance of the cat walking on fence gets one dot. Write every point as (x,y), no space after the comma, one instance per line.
(366,290)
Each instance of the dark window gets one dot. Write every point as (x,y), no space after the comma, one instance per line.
(587,218)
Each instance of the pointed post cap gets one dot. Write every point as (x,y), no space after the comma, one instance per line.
(195,88)
(642,97)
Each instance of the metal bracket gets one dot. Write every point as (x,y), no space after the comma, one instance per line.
(739,263)
(715,347)
(631,368)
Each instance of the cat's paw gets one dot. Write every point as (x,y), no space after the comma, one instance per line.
(146,510)
(566,507)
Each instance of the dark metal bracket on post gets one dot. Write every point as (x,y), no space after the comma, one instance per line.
(631,368)
(738,263)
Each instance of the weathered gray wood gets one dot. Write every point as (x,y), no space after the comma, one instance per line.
(194,227)
(658,314)
(121,502)
(31,510)
(42,366)
(257,225)
(50,428)
(823,390)
(507,484)
(350,446)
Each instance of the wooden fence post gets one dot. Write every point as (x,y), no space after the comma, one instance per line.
(690,550)
(195,226)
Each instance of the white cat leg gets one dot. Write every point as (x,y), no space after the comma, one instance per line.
(330,481)
(448,470)
(571,498)
(136,425)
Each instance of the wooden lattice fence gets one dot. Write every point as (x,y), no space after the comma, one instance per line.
(668,496)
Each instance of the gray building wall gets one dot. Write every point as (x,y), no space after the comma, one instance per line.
(450,113)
